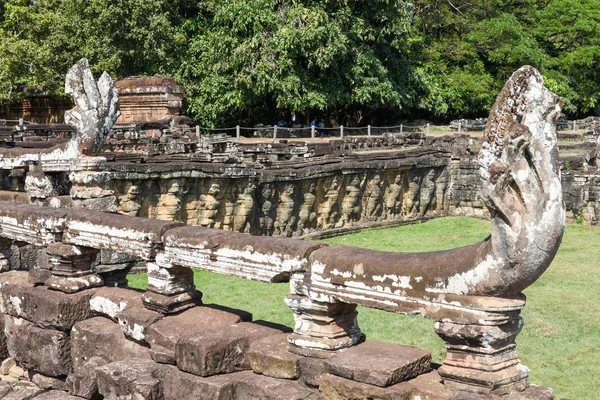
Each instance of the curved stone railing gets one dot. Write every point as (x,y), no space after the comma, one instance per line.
(473,293)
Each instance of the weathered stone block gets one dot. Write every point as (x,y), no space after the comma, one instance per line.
(380,364)
(178,385)
(134,322)
(83,382)
(46,308)
(164,334)
(56,395)
(47,382)
(312,369)
(336,388)
(111,301)
(45,350)
(252,386)
(23,394)
(271,357)
(130,379)
(101,337)
(219,351)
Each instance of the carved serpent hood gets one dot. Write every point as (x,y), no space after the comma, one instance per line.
(521,188)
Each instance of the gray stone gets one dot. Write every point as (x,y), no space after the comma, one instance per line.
(164,334)
(101,337)
(178,385)
(311,370)
(252,386)
(130,379)
(44,350)
(219,351)
(83,382)
(109,301)
(23,394)
(56,395)
(134,322)
(271,357)
(46,308)
(380,364)
(47,382)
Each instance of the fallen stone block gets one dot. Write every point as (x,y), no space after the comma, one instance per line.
(45,350)
(101,337)
(219,351)
(270,357)
(23,394)
(55,395)
(47,382)
(46,308)
(179,385)
(109,301)
(83,382)
(249,385)
(134,322)
(130,379)
(311,370)
(164,334)
(9,362)
(336,388)
(380,364)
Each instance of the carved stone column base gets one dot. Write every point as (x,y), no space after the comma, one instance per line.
(483,358)
(171,288)
(171,304)
(322,328)
(70,268)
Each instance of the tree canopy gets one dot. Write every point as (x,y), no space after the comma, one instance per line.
(350,61)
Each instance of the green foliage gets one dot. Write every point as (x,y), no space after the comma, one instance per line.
(353,62)
(579,220)
(567,165)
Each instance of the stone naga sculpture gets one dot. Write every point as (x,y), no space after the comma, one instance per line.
(474,292)
(96,107)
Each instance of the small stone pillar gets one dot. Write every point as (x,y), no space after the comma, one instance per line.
(70,268)
(482,357)
(322,328)
(171,287)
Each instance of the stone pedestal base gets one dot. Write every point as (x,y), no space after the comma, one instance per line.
(171,288)
(322,328)
(482,358)
(71,268)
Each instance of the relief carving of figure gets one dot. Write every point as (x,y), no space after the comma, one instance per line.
(209,207)
(169,203)
(427,194)
(266,220)
(372,198)
(229,201)
(307,215)
(128,201)
(243,209)
(441,185)
(393,198)
(351,206)
(410,203)
(285,211)
(327,209)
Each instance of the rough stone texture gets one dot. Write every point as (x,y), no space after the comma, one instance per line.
(47,382)
(178,385)
(380,364)
(134,322)
(46,308)
(83,382)
(23,394)
(251,386)
(44,350)
(92,338)
(163,335)
(311,370)
(111,301)
(336,388)
(130,379)
(219,351)
(271,357)
(55,395)
(5,388)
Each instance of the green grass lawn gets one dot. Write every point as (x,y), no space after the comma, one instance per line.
(560,342)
